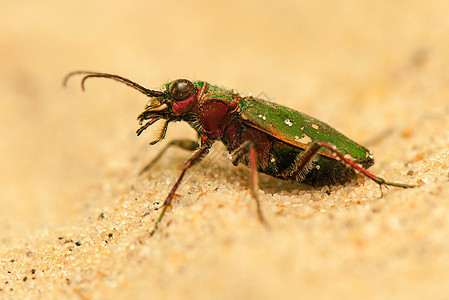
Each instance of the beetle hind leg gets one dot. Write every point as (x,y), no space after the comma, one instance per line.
(306,160)
(355,166)
(303,164)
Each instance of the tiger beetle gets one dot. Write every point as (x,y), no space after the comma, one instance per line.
(265,136)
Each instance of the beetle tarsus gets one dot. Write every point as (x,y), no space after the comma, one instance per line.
(156,224)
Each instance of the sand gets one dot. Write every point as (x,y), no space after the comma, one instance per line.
(73,207)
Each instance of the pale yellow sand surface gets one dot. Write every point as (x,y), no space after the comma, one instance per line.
(72,204)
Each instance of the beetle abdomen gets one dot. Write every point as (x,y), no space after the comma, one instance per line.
(319,172)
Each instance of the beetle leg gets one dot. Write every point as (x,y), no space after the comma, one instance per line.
(248,146)
(313,149)
(183,144)
(195,158)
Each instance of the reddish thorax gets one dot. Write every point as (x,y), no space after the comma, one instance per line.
(213,113)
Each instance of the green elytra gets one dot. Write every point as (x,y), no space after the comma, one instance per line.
(299,129)
(267,137)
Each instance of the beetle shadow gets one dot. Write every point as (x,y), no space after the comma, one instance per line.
(218,157)
(273,185)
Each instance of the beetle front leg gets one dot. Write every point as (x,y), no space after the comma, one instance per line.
(244,148)
(196,157)
(182,143)
(307,157)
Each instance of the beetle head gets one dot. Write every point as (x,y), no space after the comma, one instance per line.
(174,103)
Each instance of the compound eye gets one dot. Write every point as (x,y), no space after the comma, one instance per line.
(181,89)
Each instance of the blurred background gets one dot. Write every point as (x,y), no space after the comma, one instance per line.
(362,66)
(338,61)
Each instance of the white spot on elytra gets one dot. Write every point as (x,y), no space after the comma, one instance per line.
(347,156)
(288,122)
(273,159)
(262,117)
(318,167)
(304,140)
(315,126)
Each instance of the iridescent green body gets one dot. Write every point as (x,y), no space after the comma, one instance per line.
(267,137)
(279,134)
(292,132)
